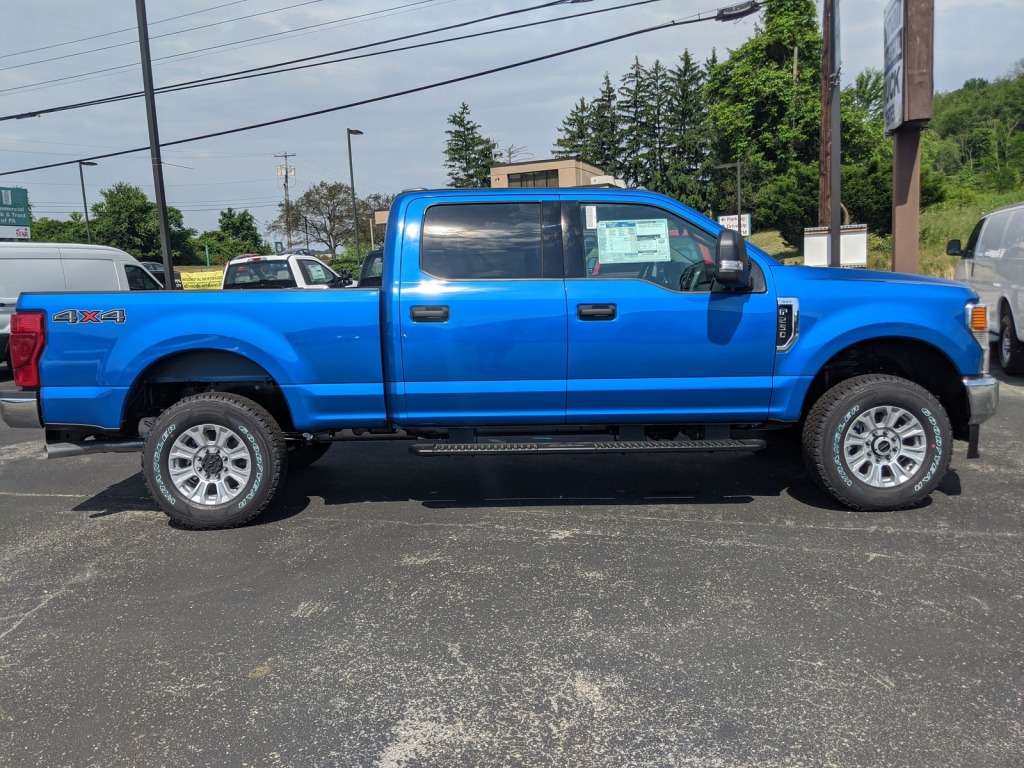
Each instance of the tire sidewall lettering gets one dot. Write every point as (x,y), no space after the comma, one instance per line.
(254,446)
(158,464)
(837,445)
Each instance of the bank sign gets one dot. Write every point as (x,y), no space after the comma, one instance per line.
(15,217)
(895,79)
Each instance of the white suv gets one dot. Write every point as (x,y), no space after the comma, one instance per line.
(992,263)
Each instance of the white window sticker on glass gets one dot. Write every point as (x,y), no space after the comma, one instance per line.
(623,242)
(590,211)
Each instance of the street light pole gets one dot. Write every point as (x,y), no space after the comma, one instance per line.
(349,133)
(85,204)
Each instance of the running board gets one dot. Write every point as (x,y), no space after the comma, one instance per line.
(607,446)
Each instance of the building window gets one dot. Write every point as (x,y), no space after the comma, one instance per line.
(533,179)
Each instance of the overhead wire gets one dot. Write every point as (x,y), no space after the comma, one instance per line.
(208,49)
(118,31)
(278,68)
(396,94)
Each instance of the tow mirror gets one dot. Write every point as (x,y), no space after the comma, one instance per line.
(732,265)
(953,248)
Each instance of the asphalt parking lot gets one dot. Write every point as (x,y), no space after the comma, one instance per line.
(561,611)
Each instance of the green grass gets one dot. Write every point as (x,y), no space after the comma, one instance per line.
(950,220)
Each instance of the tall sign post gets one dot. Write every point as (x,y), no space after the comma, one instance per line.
(909,42)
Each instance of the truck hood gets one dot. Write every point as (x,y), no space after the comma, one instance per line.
(861,276)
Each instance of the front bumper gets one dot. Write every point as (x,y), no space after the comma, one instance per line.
(20,408)
(982,396)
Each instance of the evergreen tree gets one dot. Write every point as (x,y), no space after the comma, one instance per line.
(607,147)
(577,139)
(632,109)
(686,136)
(468,155)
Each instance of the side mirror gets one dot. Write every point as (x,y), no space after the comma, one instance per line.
(732,265)
(953,248)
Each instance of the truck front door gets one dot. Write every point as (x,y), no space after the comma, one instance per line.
(482,315)
(652,338)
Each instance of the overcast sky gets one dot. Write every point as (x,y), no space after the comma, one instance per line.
(55,53)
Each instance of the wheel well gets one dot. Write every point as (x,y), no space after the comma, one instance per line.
(167,381)
(912,360)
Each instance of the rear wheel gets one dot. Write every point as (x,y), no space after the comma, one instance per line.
(214,460)
(1011,351)
(877,442)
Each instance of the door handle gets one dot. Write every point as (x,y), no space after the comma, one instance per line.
(429,314)
(595,311)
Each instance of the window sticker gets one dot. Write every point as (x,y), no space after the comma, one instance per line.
(637,240)
(590,211)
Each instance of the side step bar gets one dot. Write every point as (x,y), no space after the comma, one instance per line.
(90,447)
(607,446)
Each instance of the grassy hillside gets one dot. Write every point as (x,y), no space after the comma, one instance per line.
(951,220)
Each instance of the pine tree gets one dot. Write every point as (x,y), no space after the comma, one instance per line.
(468,155)
(686,135)
(631,108)
(607,149)
(577,139)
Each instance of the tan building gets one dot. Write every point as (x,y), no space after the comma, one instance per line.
(559,172)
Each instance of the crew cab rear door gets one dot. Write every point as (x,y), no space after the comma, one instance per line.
(652,338)
(481,313)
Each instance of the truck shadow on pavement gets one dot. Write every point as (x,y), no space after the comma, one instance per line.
(385,474)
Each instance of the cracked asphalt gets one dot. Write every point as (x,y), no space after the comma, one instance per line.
(610,611)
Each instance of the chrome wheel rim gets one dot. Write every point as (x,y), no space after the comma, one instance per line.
(209,464)
(885,446)
(1004,346)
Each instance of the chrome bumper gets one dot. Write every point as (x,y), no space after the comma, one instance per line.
(20,409)
(982,396)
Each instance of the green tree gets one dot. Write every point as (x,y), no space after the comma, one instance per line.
(241,226)
(764,100)
(468,155)
(126,219)
(324,211)
(46,230)
(577,129)
(686,136)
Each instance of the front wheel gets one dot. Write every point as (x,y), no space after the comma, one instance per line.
(877,442)
(1011,351)
(214,460)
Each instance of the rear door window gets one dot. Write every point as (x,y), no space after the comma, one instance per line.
(483,241)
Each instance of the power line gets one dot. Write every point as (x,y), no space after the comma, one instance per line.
(118,31)
(156,37)
(406,92)
(272,69)
(208,49)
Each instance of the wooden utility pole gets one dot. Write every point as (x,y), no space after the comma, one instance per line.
(286,171)
(829,202)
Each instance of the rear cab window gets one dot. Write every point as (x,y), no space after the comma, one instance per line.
(259,274)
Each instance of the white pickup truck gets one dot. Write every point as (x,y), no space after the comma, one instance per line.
(286,270)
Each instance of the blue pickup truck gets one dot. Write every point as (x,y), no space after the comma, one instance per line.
(519,321)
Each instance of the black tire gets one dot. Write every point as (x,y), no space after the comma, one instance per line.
(214,460)
(301,455)
(877,442)
(1011,351)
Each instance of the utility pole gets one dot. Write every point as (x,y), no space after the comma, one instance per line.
(286,172)
(829,202)
(154,144)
